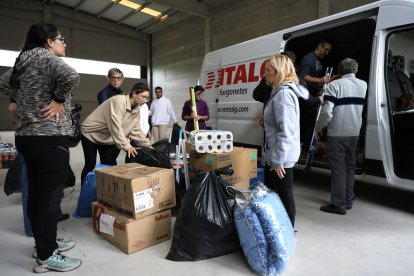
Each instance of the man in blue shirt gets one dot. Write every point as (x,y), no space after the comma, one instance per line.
(311,70)
(115,79)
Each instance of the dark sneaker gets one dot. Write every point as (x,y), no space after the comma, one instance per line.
(349,207)
(56,262)
(333,209)
(63,245)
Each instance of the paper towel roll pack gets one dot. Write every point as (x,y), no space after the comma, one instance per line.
(209,141)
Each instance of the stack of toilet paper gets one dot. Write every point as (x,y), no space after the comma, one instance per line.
(209,141)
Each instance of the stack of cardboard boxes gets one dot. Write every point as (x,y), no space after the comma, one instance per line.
(242,160)
(133,207)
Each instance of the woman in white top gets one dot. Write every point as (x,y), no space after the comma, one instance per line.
(144,110)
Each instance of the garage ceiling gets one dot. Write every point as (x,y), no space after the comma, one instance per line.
(144,16)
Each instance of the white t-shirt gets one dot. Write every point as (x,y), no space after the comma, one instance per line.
(144,114)
(162,111)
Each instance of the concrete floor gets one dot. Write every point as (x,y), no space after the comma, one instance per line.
(374,238)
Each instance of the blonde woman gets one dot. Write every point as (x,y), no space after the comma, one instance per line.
(281,148)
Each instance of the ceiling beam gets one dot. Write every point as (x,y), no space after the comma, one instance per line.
(110,5)
(143,6)
(79,4)
(155,20)
(187,6)
(81,17)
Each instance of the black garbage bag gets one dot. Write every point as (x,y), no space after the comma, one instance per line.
(164,146)
(205,226)
(176,133)
(150,157)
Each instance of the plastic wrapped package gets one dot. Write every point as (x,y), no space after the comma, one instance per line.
(205,226)
(276,225)
(265,231)
(252,238)
(87,194)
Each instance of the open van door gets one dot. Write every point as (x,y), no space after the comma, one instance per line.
(395,77)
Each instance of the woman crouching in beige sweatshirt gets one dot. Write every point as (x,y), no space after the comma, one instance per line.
(112,126)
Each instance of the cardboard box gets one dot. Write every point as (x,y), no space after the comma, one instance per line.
(135,190)
(243,161)
(242,185)
(128,234)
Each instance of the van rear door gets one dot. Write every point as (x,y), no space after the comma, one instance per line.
(395,41)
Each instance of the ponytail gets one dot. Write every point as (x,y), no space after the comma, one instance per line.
(37,36)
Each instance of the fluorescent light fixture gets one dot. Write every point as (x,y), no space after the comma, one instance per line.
(136,6)
(129,4)
(151,12)
(82,66)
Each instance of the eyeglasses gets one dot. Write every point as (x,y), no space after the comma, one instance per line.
(145,98)
(115,78)
(62,39)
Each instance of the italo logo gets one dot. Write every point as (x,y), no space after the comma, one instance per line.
(119,225)
(242,73)
(160,217)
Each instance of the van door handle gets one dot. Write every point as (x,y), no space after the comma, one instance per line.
(383,105)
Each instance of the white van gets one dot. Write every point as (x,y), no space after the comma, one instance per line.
(378,35)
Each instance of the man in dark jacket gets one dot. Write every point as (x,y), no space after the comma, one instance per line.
(115,79)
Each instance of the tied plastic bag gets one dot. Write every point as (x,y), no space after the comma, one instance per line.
(87,195)
(205,227)
(13,176)
(164,146)
(252,238)
(150,157)
(265,231)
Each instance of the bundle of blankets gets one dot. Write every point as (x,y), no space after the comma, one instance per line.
(264,229)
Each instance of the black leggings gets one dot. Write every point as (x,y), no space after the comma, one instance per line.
(284,188)
(107,154)
(47,162)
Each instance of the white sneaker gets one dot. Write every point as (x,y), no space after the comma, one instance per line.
(63,245)
(56,262)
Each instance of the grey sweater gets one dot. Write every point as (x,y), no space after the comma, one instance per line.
(342,107)
(45,77)
(281,118)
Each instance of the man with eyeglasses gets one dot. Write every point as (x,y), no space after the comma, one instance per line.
(115,79)
(311,70)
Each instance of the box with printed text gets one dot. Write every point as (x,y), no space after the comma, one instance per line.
(135,190)
(129,234)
